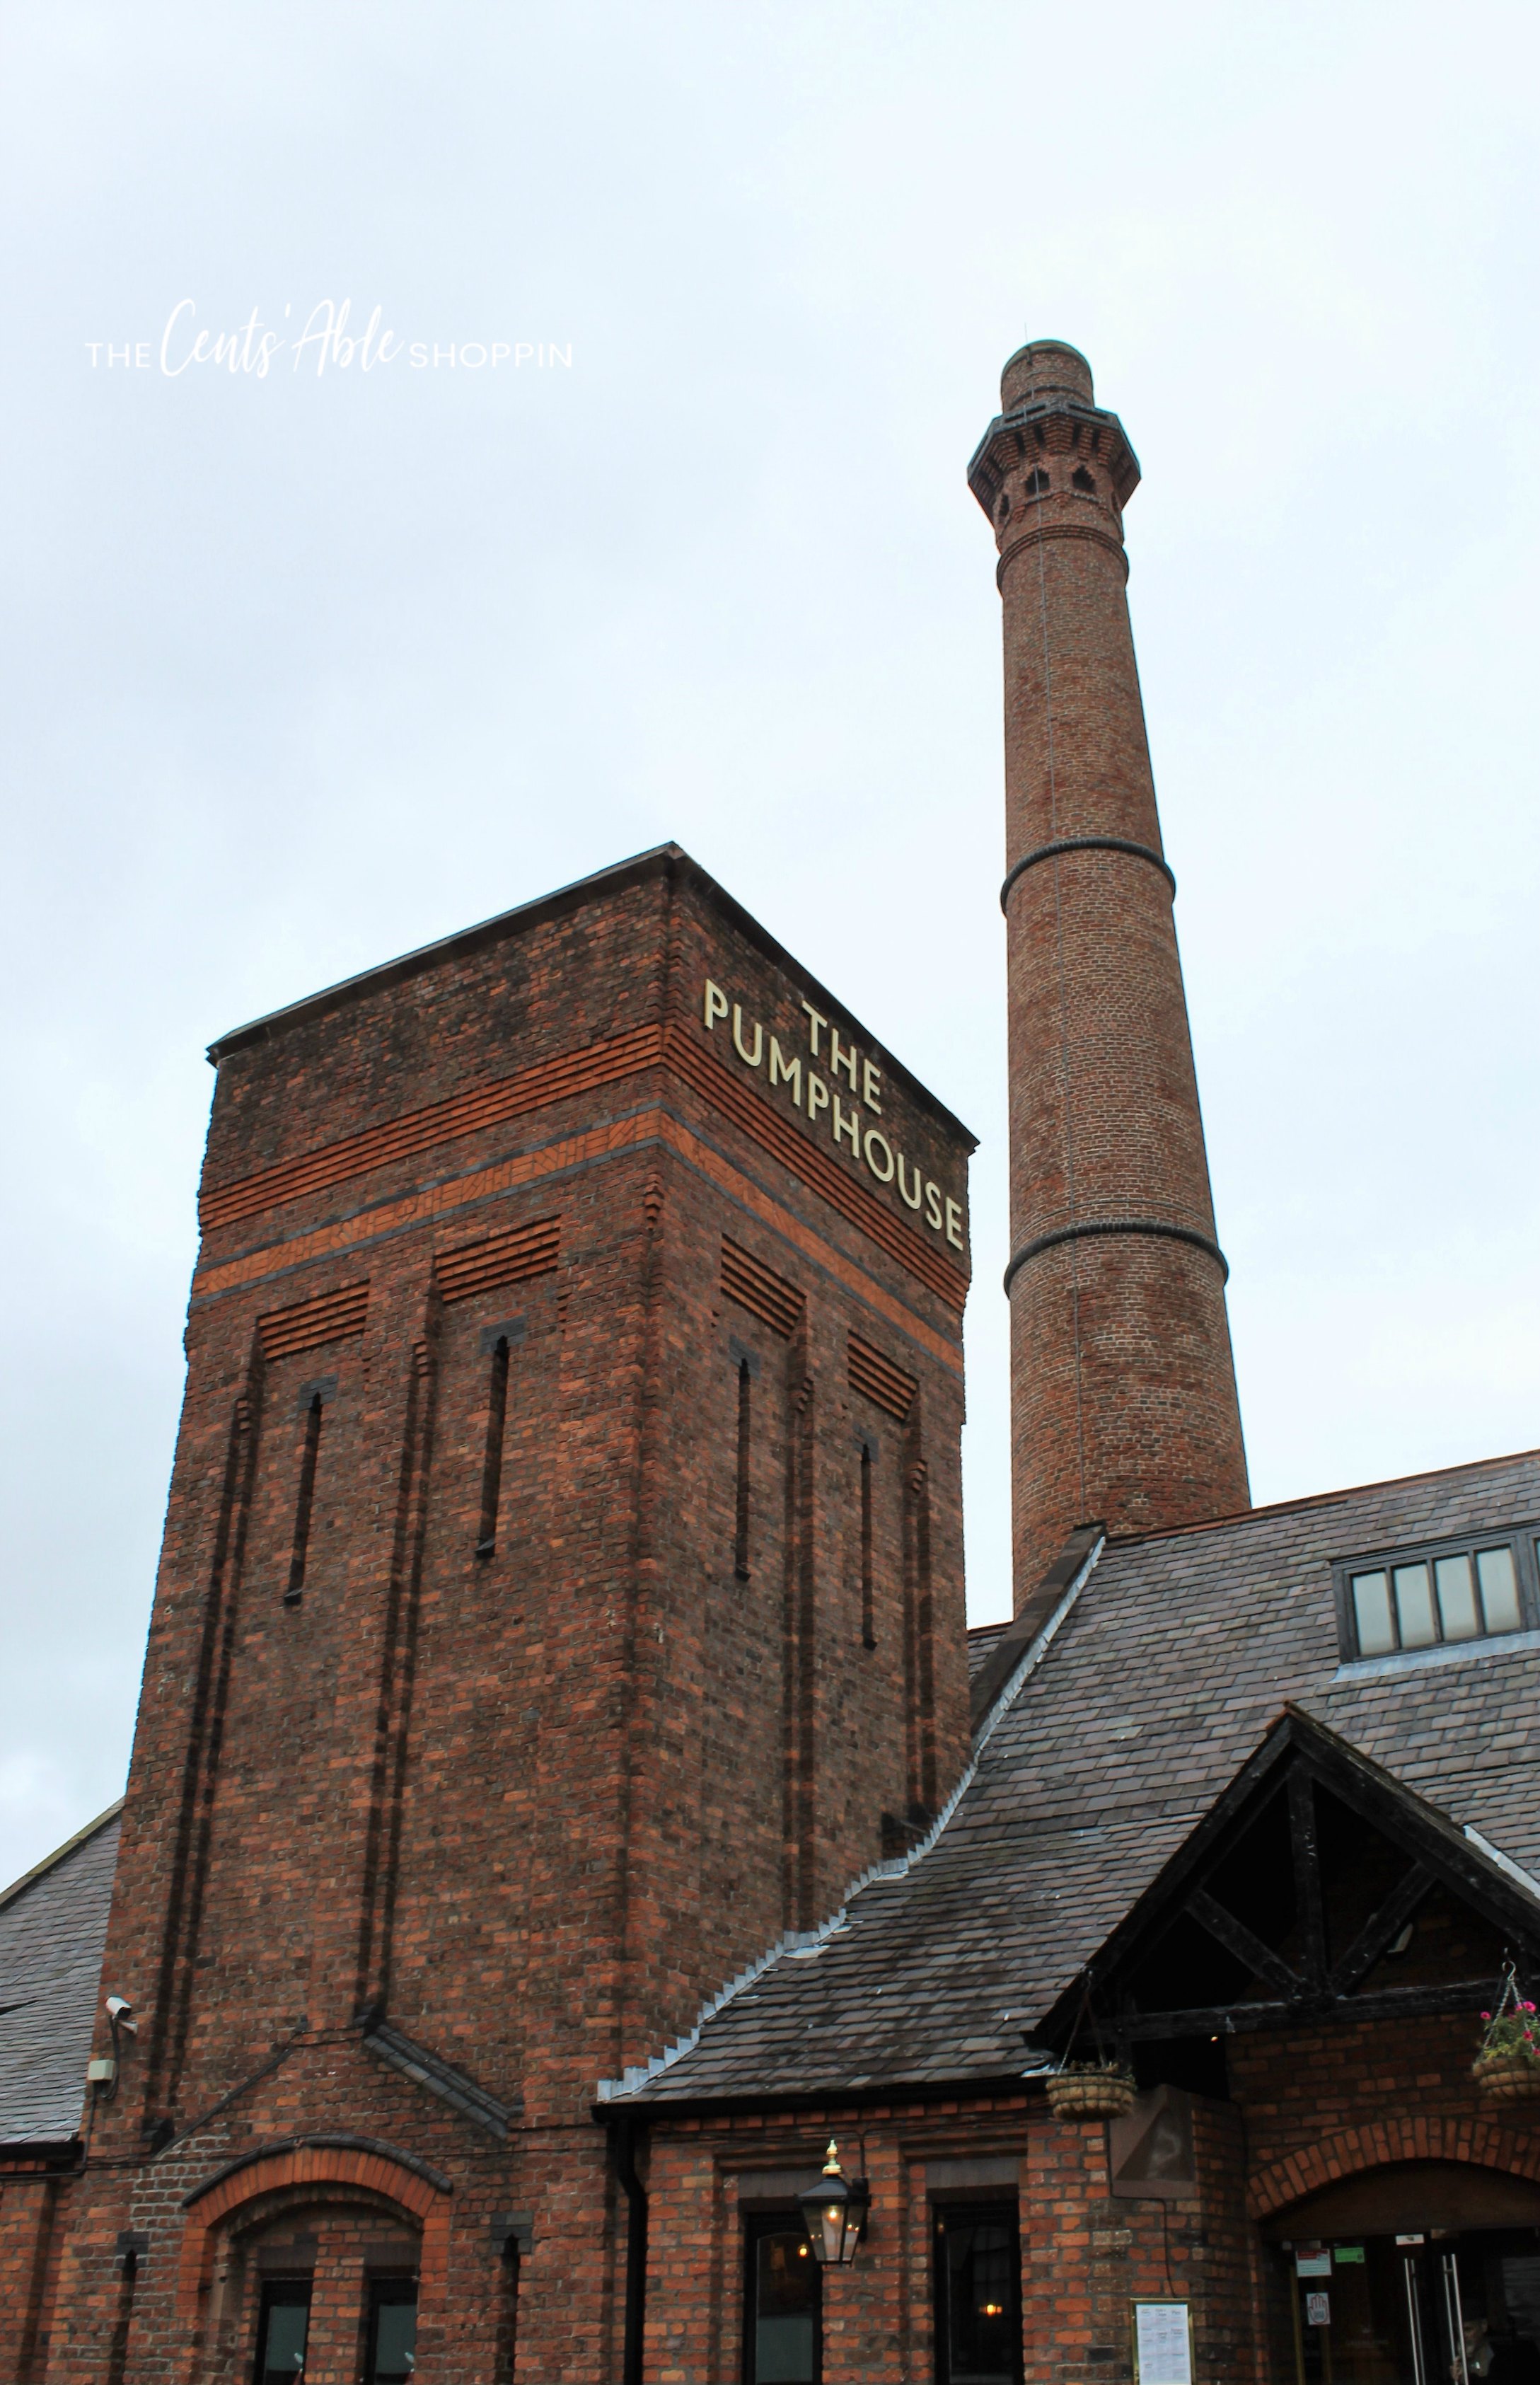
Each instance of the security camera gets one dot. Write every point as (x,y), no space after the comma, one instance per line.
(119,2009)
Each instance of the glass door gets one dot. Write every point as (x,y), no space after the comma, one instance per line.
(1431,2309)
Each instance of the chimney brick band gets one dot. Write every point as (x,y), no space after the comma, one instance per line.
(1086,844)
(1158,1226)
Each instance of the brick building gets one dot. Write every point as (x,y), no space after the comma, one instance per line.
(565,1796)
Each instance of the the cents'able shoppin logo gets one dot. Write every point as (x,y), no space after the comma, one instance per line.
(325,343)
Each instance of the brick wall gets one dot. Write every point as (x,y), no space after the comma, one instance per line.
(562,1585)
(1309,2106)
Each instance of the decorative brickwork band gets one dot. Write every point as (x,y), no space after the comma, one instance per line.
(480,1106)
(1086,844)
(1096,1226)
(559,1080)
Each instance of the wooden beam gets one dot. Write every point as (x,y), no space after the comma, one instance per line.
(1244,1943)
(1229,2020)
(1307,1875)
(1379,1930)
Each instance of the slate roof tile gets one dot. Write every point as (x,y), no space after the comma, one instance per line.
(53,1928)
(1178,1655)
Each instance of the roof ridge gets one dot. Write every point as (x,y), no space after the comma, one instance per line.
(1321,1499)
(9,1895)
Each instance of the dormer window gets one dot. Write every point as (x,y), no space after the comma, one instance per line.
(1438,1596)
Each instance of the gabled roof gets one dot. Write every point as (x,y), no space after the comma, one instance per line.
(1177,1656)
(52,1929)
(1300,1774)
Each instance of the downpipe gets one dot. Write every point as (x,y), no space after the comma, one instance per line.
(624,2134)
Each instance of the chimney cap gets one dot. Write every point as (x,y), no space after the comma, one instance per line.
(1044,367)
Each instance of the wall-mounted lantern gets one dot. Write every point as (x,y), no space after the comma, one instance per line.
(834,2212)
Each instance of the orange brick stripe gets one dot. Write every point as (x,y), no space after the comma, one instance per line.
(467,1113)
(532,1167)
(330,1317)
(507,1257)
(575,1072)
(880,1378)
(758,1289)
(817,1169)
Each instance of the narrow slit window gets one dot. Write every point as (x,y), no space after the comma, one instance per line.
(492,1468)
(868,1627)
(305,1500)
(740,1518)
(1036,482)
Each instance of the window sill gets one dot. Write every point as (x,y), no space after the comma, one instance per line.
(1457,1651)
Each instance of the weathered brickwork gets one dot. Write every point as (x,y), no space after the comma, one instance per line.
(551,1615)
(1124,1403)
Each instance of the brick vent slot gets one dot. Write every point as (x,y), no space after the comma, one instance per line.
(500,1258)
(330,1317)
(879,1380)
(764,1293)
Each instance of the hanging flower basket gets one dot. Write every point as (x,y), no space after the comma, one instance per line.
(1506,2078)
(1508,2067)
(1091,2091)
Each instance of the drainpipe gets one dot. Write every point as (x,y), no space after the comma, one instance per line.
(624,2135)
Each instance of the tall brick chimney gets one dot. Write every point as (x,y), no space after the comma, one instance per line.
(1123,1403)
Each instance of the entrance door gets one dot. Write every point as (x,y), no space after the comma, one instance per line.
(1430,2309)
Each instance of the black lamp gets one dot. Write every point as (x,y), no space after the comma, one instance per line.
(834,2212)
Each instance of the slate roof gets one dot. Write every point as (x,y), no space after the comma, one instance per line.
(1179,1653)
(53,1928)
(982,1639)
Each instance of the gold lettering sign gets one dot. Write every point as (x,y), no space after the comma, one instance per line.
(842,1089)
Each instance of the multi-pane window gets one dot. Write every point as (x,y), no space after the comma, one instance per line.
(1428,1598)
(393,2330)
(282,2328)
(782,2304)
(978,2317)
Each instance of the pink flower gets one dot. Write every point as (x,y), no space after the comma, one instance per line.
(1529,2008)
(1486,2016)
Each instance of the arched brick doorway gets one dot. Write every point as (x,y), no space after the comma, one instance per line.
(1422,2267)
(314,2255)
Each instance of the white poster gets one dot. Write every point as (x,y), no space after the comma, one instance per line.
(1162,2345)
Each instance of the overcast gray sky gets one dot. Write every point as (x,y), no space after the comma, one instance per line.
(310,668)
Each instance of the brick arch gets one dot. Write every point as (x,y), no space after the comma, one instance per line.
(374,2169)
(1350,2151)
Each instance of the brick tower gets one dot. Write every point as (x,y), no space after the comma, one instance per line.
(1123,1404)
(561,1597)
